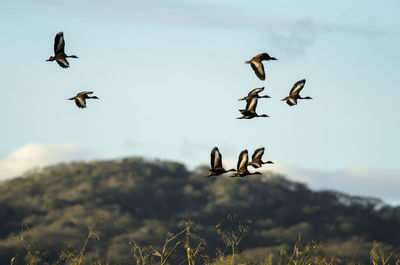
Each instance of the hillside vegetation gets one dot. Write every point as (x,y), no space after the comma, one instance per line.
(134,201)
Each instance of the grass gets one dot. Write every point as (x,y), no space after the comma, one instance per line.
(188,247)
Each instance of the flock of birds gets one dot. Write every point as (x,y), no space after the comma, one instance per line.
(248,113)
(242,164)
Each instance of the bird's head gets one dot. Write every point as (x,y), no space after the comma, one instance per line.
(308,98)
(74,56)
(52,58)
(71,98)
(273,59)
(95,97)
(264,115)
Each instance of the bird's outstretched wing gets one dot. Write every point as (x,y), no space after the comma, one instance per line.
(261,56)
(59,43)
(216,159)
(255,91)
(63,62)
(258,68)
(83,93)
(80,102)
(251,104)
(257,155)
(243,161)
(297,87)
(291,101)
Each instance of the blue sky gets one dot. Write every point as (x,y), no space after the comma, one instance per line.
(169,73)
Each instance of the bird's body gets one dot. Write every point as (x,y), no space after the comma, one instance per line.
(250,115)
(242,164)
(294,93)
(80,98)
(250,111)
(216,164)
(59,55)
(257,65)
(256,159)
(255,93)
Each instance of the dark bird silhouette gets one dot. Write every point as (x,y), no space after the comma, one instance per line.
(256,161)
(250,111)
(242,164)
(294,93)
(80,98)
(59,55)
(255,93)
(216,164)
(257,65)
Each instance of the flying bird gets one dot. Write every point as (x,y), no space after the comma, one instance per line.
(242,164)
(255,93)
(216,164)
(59,55)
(294,93)
(250,111)
(256,160)
(80,98)
(257,65)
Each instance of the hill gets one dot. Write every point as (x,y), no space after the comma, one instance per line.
(144,200)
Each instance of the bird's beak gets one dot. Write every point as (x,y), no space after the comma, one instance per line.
(273,58)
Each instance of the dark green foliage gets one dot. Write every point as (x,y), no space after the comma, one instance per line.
(141,201)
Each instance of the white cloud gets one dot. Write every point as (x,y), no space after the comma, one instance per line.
(352,180)
(34,155)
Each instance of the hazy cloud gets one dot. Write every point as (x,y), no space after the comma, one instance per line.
(293,42)
(353,180)
(192,14)
(191,148)
(289,35)
(34,155)
(130,144)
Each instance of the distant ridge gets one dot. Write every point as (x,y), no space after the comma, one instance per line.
(143,200)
